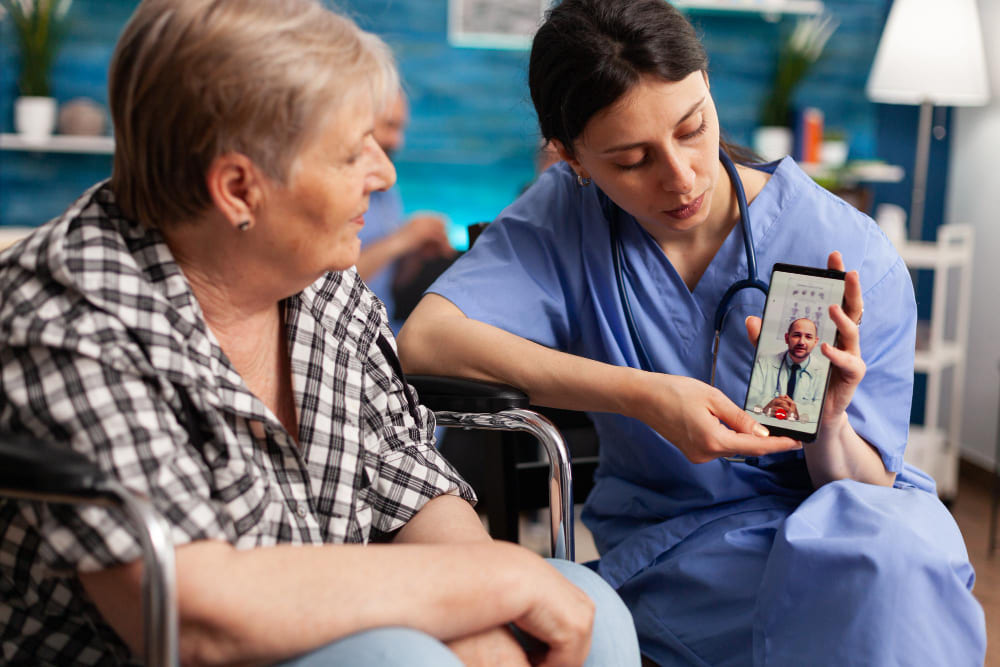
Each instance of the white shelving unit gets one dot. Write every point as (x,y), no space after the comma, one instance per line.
(59,143)
(934,447)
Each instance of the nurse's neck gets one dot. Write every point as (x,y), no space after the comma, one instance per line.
(691,252)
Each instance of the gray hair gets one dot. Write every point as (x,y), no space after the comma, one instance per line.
(191,80)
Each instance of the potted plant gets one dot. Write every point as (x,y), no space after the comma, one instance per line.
(798,53)
(834,152)
(39,26)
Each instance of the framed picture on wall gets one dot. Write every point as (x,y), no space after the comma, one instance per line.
(494,24)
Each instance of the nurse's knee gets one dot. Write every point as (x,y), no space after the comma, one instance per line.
(893,565)
(614,639)
(381,647)
(889,534)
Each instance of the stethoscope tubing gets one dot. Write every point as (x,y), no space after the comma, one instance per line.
(613,213)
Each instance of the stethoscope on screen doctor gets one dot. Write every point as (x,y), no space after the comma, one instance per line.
(612,212)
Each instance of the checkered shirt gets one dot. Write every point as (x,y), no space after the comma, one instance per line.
(101,338)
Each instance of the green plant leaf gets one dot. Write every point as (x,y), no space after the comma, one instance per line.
(799,51)
(39,26)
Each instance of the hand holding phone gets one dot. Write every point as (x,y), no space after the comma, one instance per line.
(848,367)
(790,377)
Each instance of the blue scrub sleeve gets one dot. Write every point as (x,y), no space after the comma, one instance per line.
(521,274)
(880,410)
(810,223)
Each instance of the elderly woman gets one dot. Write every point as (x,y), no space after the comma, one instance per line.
(195,327)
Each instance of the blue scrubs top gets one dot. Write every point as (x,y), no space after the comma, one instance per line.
(688,545)
(384,217)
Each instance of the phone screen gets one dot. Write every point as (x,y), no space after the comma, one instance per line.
(790,374)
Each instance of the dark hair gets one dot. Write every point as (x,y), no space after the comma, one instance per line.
(589,53)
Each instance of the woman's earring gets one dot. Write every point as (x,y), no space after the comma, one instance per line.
(583,181)
(243,226)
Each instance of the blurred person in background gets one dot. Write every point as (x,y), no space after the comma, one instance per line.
(395,247)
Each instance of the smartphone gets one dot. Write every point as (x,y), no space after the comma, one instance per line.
(790,375)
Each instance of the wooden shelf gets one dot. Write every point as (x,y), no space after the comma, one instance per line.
(59,143)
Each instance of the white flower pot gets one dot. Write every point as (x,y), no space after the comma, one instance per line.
(35,117)
(833,153)
(772,143)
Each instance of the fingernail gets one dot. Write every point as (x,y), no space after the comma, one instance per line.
(761,430)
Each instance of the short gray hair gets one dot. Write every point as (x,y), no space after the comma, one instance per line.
(191,80)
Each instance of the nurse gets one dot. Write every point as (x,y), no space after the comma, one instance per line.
(835,553)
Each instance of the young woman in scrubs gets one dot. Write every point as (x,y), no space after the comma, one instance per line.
(834,552)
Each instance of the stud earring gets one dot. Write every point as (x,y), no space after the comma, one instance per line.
(243,226)
(583,181)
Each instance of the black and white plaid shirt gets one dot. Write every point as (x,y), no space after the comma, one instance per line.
(103,348)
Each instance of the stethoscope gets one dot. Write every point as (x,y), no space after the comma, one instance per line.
(612,212)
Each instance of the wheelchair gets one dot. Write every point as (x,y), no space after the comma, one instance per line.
(34,470)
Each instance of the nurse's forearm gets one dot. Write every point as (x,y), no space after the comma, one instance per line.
(840,453)
(439,339)
(698,419)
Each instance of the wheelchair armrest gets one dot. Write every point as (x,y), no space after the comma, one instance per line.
(37,470)
(31,465)
(491,406)
(448,394)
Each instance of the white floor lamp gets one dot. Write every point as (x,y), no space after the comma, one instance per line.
(930,53)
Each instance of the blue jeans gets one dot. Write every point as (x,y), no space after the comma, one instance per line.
(614,641)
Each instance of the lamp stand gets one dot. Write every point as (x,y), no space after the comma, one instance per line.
(915,225)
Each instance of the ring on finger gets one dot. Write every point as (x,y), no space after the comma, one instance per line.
(860,317)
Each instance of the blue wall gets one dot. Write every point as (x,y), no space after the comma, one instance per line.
(37,186)
(469,149)
(470,144)
(473,122)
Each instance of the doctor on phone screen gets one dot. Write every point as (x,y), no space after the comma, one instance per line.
(791,381)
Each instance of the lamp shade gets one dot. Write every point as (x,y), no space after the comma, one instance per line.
(930,51)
